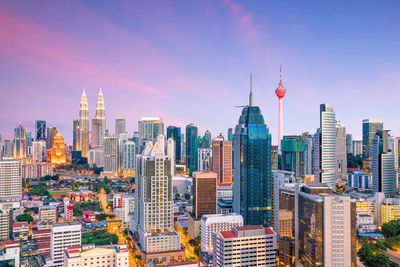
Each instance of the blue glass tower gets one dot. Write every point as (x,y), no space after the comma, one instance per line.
(191,148)
(252,178)
(175,133)
(40,130)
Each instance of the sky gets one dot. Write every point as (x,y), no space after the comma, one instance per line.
(189,62)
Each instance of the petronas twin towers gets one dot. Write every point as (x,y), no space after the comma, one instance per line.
(98,124)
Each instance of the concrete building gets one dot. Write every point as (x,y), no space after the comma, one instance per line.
(149,129)
(10,253)
(204,193)
(389,210)
(104,256)
(170,150)
(48,213)
(365,224)
(36,170)
(6,222)
(341,151)
(111,156)
(359,180)
(10,180)
(96,156)
(213,223)
(63,236)
(205,159)
(120,126)
(357,148)
(222,159)
(128,158)
(251,245)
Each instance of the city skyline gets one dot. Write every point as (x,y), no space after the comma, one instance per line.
(148,70)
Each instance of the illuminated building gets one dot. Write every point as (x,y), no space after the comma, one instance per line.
(56,155)
(383,166)
(154,218)
(175,133)
(149,129)
(341,154)
(222,159)
(280,93)
(251,245)
(101,119)
(84,125)
(40,128)
(213,223)
(369,128)
(19,142)
(252,178)
(76,136)
(390,210)
(120,126)
(37,151)
(191,149)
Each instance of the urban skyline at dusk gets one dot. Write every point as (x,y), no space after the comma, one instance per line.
(149,63)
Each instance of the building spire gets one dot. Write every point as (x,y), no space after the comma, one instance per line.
(251,90)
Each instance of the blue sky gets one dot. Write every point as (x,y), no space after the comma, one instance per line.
(189,61)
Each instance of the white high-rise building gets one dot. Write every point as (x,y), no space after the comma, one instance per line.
(170,151)
(10,180)
(96,156)
(63,236)
(128,208)
(214,223)
(149,129)
(37,151)
(111,156)
(205,159)
(327,163)
(120,126)
(154,206)
(84,125)
(128,156)
(341,153)
(251,245)
(357,147)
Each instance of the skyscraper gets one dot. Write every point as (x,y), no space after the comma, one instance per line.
(326,166)
(56,155)
(95,133)
(341,148)
(292,149)
(84,125)
(64,236)
(222,159)
(369,128)
(252,178)
(204,193)
(19,142)
(51,133)
(175,133)
(154,206)
(40,130)
(149,129)
(28,137)
(101,118)
(280,93)
(10,180)
(128,158)
(191,151)
(111,156)
(120,126)
(76,136)
(349,143)
(383,167)
(308,154)
(170,152)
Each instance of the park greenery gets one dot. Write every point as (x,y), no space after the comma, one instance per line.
(104,216)
(24,218)
(99,238)
(82,206)
(195,243)
(372,254)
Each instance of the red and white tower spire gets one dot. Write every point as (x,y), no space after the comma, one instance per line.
(280,93)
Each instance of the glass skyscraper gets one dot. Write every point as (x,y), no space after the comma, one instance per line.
(252,185)
(175,133)
(191,150)
(40,130)
(369,128)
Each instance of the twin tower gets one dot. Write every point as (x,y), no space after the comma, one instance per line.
(81,128)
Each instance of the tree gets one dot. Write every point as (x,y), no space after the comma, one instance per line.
(104,216)
(177,196)
(187,196)
(106,180)
(379,259)
(354,161)
(197,251)
(24,218)
(99,238)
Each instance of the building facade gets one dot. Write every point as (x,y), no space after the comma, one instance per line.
(222,160)
(84,126)
(191,149)
(204,193)
(149,129)
(63,236)
(175,133)
(369,128)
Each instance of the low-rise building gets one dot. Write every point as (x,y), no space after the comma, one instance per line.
(251,245)
(6,219)
(37,170)
(48,213)
(10,251)
(365,224)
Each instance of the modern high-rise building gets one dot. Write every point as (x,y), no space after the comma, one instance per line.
(51,133)
(94,142)
(111,156)
(175,133)
(208,135)
(8,148)
(19,143)
(84,125)
(170,150)
(274,157)
(325,227)
(154,205)
(213,223)
(357,148)
(280,93)
(149,129)
(205,159)
(292,150)
(383,166)
(349,143)
(101,119)
(75,136)
(48,213)
(191,150)
(6,225)
(10,180)
(230,134)
(251,245)
(204,193)
(308,154)
(369,128)
(341,151)
(96,156)
(120,126)
(37,154)
(29,140)
(326,165)
(63,236)
(128,158)
(40,130)
(222,159)
(252,178)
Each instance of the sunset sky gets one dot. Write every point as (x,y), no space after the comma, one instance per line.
(189,62)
